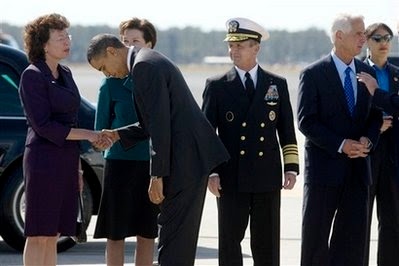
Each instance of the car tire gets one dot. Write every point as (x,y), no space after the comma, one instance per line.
(12,209)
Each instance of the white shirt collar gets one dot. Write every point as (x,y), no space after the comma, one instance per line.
(129,56)
(341,66)
(253,72)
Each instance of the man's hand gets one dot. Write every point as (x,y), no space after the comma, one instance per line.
(106,139)
(387,123)
(214,185)
(289,180)
(356,149)
(369,81)
(155,191)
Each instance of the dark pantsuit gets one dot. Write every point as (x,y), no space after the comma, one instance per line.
(263,209)
(385,190)
(180,220)
(346,206)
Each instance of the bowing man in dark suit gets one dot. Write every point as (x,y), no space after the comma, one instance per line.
(336,116)
(184,146)
(384,161)
(249,106)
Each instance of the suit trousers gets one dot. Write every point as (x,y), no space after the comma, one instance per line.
(385,190)
(345,206)
(179,223)
(234,210)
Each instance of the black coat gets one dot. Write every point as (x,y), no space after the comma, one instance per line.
(184,146)
(389,102)
(324,119)
(248,131)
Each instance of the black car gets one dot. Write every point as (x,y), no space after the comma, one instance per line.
(13,130)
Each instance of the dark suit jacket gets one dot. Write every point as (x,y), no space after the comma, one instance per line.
(248,130)
(389,102)
(324,119)
(185,147)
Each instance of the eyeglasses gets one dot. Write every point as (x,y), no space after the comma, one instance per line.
(379,38)
(64,38)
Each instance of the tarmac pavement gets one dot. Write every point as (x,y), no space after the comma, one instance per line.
(92,253)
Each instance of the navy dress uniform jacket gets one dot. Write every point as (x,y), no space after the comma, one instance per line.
(248,130)
(324,119)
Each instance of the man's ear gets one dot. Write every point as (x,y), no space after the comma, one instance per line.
(111,51)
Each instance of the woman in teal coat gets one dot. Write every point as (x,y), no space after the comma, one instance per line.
(125,208)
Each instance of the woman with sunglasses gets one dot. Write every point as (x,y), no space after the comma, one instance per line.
(385,187)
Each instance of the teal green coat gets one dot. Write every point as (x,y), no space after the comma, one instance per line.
(115,108)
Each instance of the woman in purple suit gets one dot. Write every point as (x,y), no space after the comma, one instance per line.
(51,161)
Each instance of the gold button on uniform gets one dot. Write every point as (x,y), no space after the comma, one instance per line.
(261,138)
(262,125)
(242,137)
(261,153)
(242,152)
(244,124)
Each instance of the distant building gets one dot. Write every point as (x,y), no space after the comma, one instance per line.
(217,60)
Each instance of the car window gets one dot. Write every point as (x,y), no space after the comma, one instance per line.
(10,105)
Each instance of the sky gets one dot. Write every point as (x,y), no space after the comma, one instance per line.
(207,15)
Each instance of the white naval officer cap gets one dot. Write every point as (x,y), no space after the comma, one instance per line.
(241,29)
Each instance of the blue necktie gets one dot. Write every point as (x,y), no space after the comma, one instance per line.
(349,94)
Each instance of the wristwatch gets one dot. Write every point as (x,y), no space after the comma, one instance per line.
(154,177)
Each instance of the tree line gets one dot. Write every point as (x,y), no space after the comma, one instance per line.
(191,44)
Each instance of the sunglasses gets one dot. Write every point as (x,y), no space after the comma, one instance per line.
(380,38)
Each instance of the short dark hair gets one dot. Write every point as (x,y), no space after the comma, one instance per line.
(374,27)
(99,44)
(143,25)
(37,33)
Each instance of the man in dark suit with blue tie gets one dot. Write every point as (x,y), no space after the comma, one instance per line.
(336,115)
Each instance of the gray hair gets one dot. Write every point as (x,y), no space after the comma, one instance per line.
(343,22)
(99,44)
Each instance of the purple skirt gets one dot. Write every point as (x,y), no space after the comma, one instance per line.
(51,188)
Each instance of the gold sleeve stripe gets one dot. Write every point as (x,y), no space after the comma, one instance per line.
(291,159)
(290,146)
(290,154)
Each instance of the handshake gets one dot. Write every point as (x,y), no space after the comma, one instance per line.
(104,139)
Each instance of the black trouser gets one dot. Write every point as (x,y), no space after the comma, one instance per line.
(385,190)
(179,222)
(234,211)
(347,206)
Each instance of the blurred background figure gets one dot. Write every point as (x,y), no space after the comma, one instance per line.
(125,208)
(51,165)
(384,160)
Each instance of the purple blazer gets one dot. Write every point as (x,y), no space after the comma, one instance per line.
(50,161)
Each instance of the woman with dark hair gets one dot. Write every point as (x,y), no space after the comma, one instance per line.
(51,164)
(384,161)
(125,208)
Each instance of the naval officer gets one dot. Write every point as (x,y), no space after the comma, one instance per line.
(249,107)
